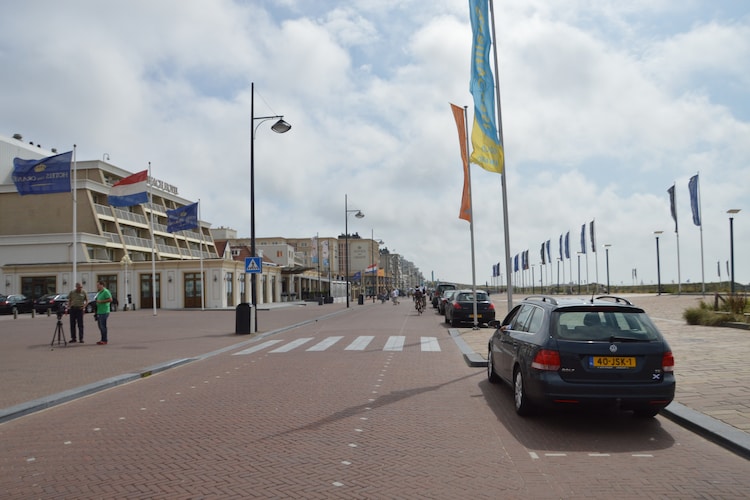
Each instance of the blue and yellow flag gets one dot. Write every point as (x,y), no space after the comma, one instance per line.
(487,148)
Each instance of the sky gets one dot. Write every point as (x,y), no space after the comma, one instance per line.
(605,105)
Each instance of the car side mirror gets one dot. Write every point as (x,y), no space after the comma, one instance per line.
(494,324)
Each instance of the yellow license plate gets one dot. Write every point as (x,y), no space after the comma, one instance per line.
(472,316)
(612,362)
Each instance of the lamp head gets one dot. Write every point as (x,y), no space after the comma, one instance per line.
(359,214)
(281,126)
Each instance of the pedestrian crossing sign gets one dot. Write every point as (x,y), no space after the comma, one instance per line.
(253,265)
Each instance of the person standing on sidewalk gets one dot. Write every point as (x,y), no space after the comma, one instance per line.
(77,300)
(103,300)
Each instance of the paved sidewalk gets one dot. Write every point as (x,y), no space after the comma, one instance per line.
(711,367)
(39,372)
(713,376)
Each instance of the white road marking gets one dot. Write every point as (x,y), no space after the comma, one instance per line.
(257,348)
(429,344)
(395,343)
(292,345)
(325,344)
(360,344)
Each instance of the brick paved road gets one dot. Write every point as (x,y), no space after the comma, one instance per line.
(347,423)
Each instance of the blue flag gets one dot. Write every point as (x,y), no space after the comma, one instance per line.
(182,218)
(693,187)
(672,207)
(567,245)
(583,238)
(45,176)
(549,257)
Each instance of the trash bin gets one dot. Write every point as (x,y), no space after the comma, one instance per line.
(361,299)
(320,301)
(242,318)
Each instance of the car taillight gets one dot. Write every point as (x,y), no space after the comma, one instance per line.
(492,306)
(546,360)
(456,305)
(667,362)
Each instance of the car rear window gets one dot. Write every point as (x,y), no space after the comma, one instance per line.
(469,297)
(604,325)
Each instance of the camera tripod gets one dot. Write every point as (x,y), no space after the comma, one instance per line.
(59,333)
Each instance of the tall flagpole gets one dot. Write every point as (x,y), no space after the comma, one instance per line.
(700,213)
(593,247)
(677,235)
(75,219)
(504,177)
(203,293)
(471,230)
(153,241)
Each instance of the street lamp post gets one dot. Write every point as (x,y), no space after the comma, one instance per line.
(658,264)
(731,212)
(125,261)
(375,264)
(579,273)
(358,214)
(606,253)
(279,127)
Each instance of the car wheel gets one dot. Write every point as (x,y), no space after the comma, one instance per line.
(523,405)
(491,375)
(454,322)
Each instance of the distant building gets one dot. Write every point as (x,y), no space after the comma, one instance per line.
(145,266)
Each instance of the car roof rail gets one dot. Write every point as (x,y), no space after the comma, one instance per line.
(543,298)
(616,299)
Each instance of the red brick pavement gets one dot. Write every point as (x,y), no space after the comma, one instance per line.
(402,425)
(32,369)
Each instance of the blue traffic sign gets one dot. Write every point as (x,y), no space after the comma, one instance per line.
(253,265)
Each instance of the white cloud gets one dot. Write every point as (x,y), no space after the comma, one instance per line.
(605,105)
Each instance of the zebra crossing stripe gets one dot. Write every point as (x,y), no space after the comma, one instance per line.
(292,345)
(257,348)
(325,344)
(429,344)
(395,343)
(360,344)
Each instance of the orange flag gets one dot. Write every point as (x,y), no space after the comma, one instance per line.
(458,114)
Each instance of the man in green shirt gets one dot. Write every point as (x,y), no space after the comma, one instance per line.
(103,300)
(77,300)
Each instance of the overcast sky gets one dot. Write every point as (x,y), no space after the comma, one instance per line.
(605,105)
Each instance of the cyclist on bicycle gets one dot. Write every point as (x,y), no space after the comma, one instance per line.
(419,299)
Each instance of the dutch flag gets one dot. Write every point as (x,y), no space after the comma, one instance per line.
(129,191)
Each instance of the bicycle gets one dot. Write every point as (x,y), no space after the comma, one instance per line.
(419,304)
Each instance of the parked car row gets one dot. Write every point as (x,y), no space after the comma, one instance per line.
(15,302)
(52,302)
(438,292)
